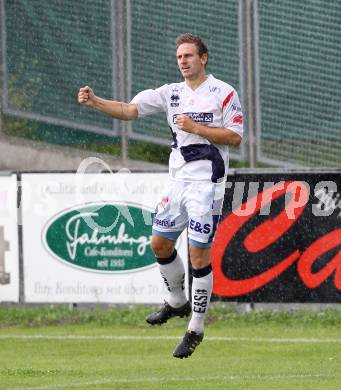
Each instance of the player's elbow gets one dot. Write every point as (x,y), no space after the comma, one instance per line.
(236,140)
(230,138)
(233,139)
(130,112)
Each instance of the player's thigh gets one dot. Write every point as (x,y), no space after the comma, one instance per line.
(204,205)
(170,219)
(169,212)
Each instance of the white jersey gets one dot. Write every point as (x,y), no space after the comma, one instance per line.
(215,104)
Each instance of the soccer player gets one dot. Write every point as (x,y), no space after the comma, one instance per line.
(205,118)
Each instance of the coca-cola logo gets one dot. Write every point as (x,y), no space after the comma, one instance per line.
(251,242)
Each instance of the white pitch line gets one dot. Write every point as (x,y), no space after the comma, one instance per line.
(155,338)
(224,378)
(152,338)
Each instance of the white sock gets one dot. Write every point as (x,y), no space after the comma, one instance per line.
(201,295)
(173,273)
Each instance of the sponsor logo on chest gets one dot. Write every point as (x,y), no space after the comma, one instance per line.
(203,117)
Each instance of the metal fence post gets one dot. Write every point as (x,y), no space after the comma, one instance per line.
(249,75)
(119,34)
(2,62)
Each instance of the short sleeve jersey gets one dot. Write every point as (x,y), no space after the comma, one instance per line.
(214,104)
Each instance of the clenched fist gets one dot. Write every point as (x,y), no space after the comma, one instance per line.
(86,96)
(186,123)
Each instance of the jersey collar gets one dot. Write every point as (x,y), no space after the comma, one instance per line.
(209,77)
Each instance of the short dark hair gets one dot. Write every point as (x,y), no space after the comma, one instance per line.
(195,39)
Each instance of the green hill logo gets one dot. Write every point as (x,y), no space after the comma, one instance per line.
(102,237)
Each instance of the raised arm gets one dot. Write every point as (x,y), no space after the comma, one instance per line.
(115,109)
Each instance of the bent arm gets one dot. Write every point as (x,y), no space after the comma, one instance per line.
(217,135)
(115,109)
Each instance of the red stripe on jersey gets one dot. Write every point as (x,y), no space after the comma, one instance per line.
(238,119)
(227,99)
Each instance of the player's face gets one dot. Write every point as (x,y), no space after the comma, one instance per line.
(191,65)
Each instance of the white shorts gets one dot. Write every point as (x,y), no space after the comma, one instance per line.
(193,205)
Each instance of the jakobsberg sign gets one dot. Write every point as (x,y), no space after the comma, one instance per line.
(106,237)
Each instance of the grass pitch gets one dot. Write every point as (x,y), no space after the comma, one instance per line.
(117,350)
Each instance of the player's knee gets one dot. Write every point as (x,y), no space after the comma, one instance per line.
(162,247)
(200,257)
(198,263)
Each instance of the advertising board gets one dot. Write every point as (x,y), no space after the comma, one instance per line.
(279,239)
(9,258)
(86,237)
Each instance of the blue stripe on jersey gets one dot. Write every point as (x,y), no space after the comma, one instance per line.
(175,141)
(195,152)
